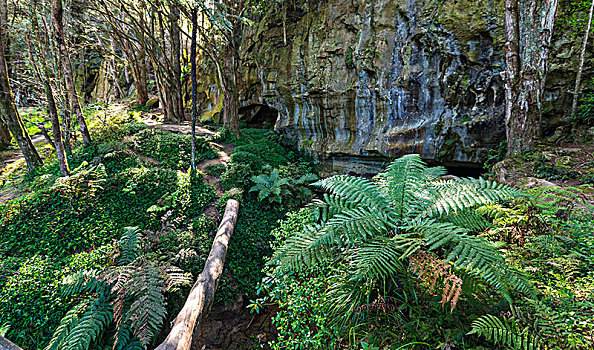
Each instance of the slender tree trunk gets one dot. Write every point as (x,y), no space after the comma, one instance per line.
(117,89)
(56,130)
(46,76)
(5,137)
(230,103)
(176,108)
(529,27)
(57,19)
(141,82)
(66,120)
(578,78)
(8,111)
(43,130)
(194,84)
(64,102)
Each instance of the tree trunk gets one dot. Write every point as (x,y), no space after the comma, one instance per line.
(66,123)
(194,84)
(176,108)
(57,19)
(8,111)
(56,130)
(202,294)
(5,137)
(63,93)
(230,103)
(529,27)
(117,89)
(6,344)
(578,78)
(43,130)
(46,78)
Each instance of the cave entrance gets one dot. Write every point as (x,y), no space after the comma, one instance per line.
(465,171)
(259,116)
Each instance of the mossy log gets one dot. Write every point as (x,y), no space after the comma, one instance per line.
(202,294)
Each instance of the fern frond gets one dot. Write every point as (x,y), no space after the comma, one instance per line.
(473,254)
(147,312)
(431,269)
(82,281)
(505,332)
(377,259)
(456,195)
(129,246)
(95,320)
(174,277)
(467,218)
(304,249)
(329,206)
(359,191)
(125,340)
(68,322)
(405,182)
(358,224)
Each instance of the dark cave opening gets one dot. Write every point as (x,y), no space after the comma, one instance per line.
(259,116)
(465,171)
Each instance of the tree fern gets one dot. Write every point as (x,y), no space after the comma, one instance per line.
(505,332)
(127,298)
(89,328)
(372,225)
(147,312)
(66,326)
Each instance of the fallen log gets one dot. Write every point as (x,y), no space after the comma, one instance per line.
(202,294)
(6,344)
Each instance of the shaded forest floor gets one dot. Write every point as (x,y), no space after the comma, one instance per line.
(136,174)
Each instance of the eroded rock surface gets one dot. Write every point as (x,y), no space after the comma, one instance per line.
(358,81)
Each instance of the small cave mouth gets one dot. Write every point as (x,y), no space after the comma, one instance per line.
(465,171)
(460,169)
(259,116)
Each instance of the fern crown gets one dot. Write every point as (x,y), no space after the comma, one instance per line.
(373,226)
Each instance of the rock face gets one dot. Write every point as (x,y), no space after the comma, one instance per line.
(375,79)
(356,82)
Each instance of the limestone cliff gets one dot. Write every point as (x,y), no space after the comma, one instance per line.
(357,81)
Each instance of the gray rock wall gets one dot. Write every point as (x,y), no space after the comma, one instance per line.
(360,81)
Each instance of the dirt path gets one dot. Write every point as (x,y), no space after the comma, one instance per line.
(13,155)
(224,151)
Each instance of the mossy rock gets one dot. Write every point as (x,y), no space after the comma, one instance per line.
(152,103)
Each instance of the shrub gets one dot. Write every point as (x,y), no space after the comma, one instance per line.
(215,169)
(302,318)
(172,150)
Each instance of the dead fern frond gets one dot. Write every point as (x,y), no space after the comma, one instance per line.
(433,270)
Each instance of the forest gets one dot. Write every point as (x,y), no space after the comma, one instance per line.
(296,174)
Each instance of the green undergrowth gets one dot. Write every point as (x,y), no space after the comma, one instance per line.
(547,234)
(256,152)
(132,176)
(61,225)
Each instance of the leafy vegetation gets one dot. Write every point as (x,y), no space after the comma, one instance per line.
(68,224)
(344,277)
(125,303)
